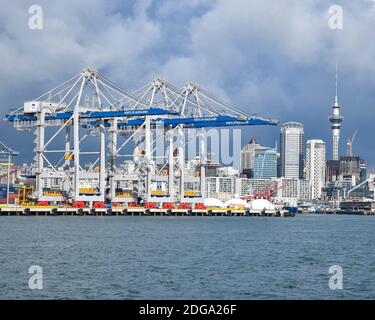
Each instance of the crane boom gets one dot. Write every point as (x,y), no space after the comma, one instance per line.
(351,144)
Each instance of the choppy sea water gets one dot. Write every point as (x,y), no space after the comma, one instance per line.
(188,257)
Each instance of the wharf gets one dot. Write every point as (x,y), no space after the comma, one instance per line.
(130,211)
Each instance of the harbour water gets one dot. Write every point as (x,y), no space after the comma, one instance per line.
(187,257)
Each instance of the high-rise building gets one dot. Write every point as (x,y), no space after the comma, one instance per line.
(362,172)
(315,167)
(247,157)
(291,150)
(265,163)
(335,119)
(332,170)
(350,166)
(284,188)
(294,188)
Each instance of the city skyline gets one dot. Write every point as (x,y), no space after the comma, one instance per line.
(188,156)
(246,158)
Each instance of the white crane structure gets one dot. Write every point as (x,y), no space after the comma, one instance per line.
(86,127)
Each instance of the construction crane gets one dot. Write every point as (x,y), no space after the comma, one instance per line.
(271,190)
(9,153)
(350,144)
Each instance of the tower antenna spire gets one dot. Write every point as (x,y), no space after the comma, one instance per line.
(336,96)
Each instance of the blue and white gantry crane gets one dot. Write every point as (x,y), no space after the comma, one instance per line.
(89,107)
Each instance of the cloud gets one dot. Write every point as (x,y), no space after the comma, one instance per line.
(279,57)
(75,35)
(273,58)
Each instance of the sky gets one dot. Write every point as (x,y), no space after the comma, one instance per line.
(273,58)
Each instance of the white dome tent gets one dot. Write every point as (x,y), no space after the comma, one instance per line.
(212,202)
(259,205)
(235,203)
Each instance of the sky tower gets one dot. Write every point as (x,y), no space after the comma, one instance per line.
(335,119)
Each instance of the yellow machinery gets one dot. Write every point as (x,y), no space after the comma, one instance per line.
(191,193)
(69,156)
(53,193)
(158,192)
(124,195)
(88,190)
(25,195)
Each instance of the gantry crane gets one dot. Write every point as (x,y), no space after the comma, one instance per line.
(87,96)
(89,107)
(197,110)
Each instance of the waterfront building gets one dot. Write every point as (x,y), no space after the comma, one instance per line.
(332,170)
(315,167)
(211,167)
(225,188)
(250,186)
(291,150)
(332,191)
(351,166)
(227,171)
(222,188)
(339,189)
(362,172)
(247,157)
(265,163)
(344,174)
(278,165)
(348,182)
(294,188)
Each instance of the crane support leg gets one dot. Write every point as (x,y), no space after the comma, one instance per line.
(202,160)
(148,157)
(170,163)
(181,161)
(39,152)
(76,151)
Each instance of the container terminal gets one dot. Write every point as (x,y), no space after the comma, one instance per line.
(73,175)
(100,149)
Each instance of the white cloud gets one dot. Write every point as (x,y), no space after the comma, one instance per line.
(275,56)
(75,35)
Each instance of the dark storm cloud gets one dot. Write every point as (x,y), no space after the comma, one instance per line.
(273,58)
